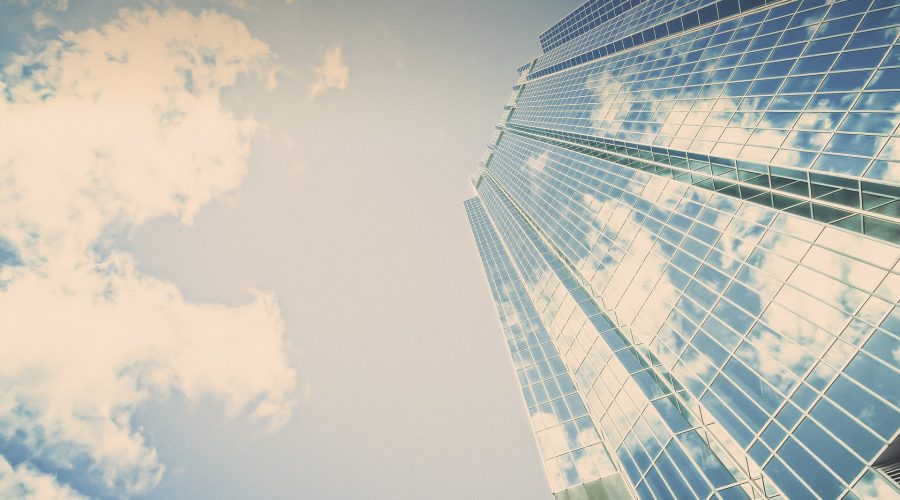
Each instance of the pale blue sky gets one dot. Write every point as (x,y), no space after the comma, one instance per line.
(351,216)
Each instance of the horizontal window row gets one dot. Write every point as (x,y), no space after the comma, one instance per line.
(708,14)
(770,186)
(582,20)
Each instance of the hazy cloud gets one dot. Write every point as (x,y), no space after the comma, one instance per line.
(332,74)
(100,131)
(245,5)
(59,5)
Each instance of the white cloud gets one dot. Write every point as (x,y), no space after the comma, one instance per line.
(332,74)
(101,131)
(537,164)
(24,482)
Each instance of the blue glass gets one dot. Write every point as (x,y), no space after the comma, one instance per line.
(839,459)
(810,469)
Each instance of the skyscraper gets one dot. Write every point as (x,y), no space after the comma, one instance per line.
(690,225)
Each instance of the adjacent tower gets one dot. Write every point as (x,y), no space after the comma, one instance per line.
(690,225)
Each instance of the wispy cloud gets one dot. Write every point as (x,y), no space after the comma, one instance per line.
(101,131)
(40,20)
(332,74)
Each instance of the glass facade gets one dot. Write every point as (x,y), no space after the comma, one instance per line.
(690,224)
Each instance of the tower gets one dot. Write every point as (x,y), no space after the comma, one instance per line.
(689,220)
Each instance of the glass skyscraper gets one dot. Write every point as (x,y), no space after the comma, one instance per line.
(689,221)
